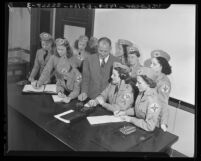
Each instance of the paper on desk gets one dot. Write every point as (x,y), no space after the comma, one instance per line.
(58,116)
(56,98)
(50,88)
(29,88)
(103,119)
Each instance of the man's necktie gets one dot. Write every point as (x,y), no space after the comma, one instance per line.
(103,62)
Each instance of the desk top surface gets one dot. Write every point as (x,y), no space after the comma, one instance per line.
(81,136)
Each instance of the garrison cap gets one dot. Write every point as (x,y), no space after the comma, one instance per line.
(45,36)
(148,72)
(117,64)
(61,42)
(160,53)
(83,38)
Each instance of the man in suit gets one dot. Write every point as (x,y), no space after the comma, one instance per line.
(97,70)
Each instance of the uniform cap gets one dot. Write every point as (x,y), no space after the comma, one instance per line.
(117,64)
(148,72)
(60,42)
(83,38)
(160,53)
(45,36)
(124,42)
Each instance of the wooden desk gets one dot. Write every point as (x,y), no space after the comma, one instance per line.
(82,136)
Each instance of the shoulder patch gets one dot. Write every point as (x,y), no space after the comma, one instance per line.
(79,78)
(154,107)
(165,88)
(127,96)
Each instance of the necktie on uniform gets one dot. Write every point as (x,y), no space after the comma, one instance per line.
(45,55)
(103,62)
(116,89)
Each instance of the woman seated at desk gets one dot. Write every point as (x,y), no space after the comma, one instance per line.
(119,92)
(42,57)
(147,108)
(68,77)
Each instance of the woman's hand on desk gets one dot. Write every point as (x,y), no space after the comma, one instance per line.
(92,103)
(82,97)
(61,95)
(36,84)
(66,99)
(119,113)
(126,118)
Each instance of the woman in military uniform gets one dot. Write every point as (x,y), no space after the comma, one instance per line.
(121,50)
(80,49)
(133,60)
(159,62)
(68,77)
(42,56)
(147,107)
(119,93)
(92,46)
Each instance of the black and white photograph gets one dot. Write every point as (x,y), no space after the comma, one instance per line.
(101,78)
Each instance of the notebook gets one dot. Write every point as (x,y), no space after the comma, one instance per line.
(28,88)
(49,88)
(93,120)
(56,98)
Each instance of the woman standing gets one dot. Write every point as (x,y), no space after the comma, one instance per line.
(80,49)
(68,77)
(42,56)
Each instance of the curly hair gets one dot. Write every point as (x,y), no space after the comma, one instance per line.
(69,51)
(123,74)
(166,68)
(149,81)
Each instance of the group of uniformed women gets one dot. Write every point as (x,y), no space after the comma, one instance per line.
(137,93)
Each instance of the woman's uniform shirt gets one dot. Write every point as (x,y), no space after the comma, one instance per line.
(119,100)
(42,57)
(68,77)
(81,55)
(146,111)
(163,89)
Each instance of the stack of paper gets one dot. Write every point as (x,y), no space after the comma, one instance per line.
(50,88)
(103,119)
(56,98)
(29,88)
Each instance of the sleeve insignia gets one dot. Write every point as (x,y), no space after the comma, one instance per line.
(127,96)
(154,107)
(165,88)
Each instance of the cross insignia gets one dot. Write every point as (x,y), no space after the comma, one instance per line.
(165,88)
(154,107)
(156,54)
(45,35)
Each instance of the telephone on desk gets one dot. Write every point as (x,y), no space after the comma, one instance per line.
(80,107)
(126,130)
